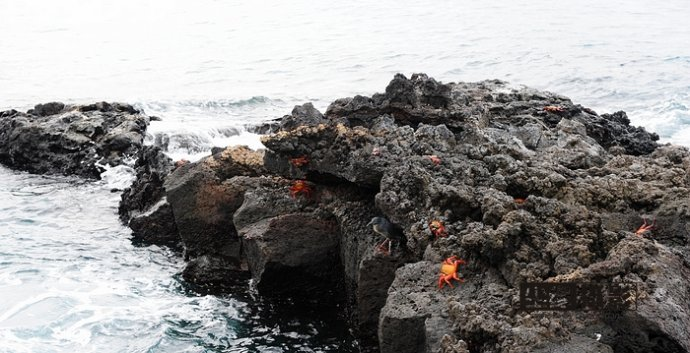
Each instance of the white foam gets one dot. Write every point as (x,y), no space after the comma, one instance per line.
(118,177)
(193,142)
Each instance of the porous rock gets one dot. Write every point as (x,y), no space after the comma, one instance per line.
(55,138)
(528,186)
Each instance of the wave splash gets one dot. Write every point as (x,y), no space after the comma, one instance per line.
(189,129)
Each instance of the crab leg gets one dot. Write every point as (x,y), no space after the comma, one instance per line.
(645,227)
(382,246)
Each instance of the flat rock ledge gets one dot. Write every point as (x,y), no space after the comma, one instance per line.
(54,138)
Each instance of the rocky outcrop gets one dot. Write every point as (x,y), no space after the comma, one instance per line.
(144,207)
(203,198)
(659,321)
(55,138)
(468,155)
(528,186)
(292,253)
(302,115)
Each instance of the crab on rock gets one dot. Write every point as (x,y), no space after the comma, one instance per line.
(449,271)
(435,159)
(645,228)
(180,163)
(299,161)
(437,229)
(554,109)
(300,187)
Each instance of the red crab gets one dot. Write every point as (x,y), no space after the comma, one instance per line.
(437,229)
(180,163)
(644,228)
(553,109)
(449,271)
(299,161)
(300,187)
(519,201)
(435,159)
(376,151)
(385,246)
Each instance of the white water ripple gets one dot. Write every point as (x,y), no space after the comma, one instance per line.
(71,281)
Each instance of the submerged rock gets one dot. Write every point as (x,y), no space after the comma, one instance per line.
(55,138)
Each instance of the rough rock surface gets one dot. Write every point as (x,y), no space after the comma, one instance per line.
(55,138)
(496,147)
(302,115)
(528,185)
(292,252)
(203,198)
(144,206)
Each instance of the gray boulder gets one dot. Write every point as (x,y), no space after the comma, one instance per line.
(55,138)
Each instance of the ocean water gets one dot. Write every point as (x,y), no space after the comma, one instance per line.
(70,279)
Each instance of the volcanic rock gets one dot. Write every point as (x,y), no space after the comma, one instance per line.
(203,200)
(55,138)
(292,252)
(143,205)
(528,186)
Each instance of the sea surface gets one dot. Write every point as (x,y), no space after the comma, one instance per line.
(70,278)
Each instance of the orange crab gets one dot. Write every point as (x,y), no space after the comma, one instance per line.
(299,161)
(553,109)
(449,271)
(435,159)
(438,229)
(519,201)
(644,228)
(300,187)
